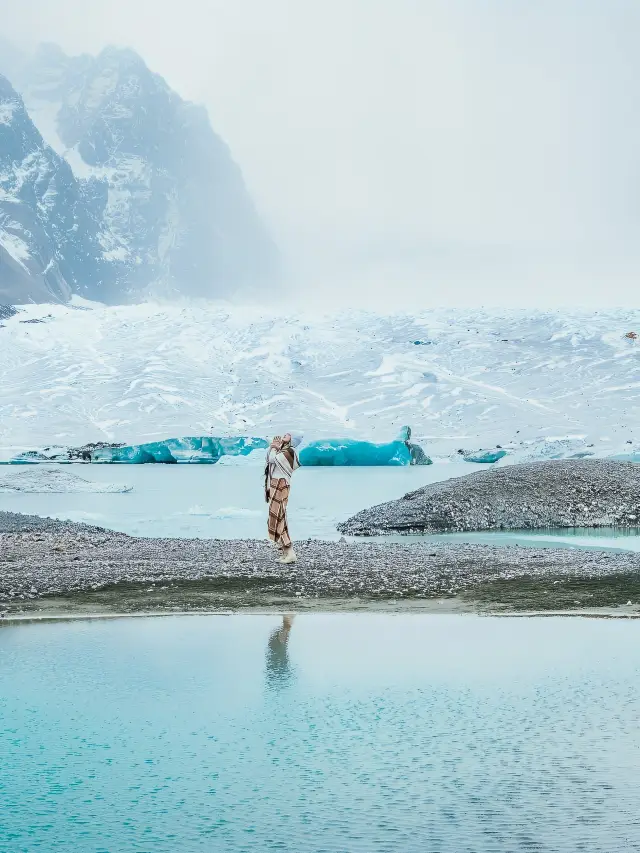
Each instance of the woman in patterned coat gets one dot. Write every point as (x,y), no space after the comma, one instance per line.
(282,461)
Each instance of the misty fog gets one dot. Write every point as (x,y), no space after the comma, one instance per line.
(461,152)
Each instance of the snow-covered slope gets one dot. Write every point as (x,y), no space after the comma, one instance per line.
(171,208)
(48,230)
(461,379)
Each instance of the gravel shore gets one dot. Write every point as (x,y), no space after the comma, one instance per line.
(50,566)
(560,493)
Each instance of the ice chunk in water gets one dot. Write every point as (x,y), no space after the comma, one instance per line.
(485,455)
(245,449)
(43,481)
(349,451)
(194,449)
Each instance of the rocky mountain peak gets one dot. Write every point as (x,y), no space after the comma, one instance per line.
(155,189)
(48,230)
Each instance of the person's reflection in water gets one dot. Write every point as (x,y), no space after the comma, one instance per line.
(279,670)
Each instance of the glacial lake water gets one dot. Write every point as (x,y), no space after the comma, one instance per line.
(361,734)
(218,501)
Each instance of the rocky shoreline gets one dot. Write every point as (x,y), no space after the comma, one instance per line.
(52,567)
(558,493)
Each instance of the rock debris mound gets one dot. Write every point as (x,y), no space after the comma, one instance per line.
(558,493)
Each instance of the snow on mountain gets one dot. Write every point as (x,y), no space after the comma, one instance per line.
(48,232)
(174,215)
(542,383)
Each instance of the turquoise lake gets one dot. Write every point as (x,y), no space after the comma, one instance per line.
(360,734)
(218,501)
(226,502)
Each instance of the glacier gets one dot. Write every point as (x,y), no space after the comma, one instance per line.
(566,382)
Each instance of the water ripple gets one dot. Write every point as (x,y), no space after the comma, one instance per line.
(355,734)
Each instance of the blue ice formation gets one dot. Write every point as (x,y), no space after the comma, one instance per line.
(348,451)
(195,449)
(485,455)
(633,456)
(209,449)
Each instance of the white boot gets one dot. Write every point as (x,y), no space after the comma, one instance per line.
(289,556)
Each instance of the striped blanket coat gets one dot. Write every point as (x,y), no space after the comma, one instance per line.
(282,461)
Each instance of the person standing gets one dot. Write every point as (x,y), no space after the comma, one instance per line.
(282,461)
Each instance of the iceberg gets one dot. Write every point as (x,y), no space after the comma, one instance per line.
(47,481)
(190,449)
(253,459)
(485,455)
(627,457)
(538,450)
(348,451)
(244,450)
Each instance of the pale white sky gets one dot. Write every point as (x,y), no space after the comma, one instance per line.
(445,151)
